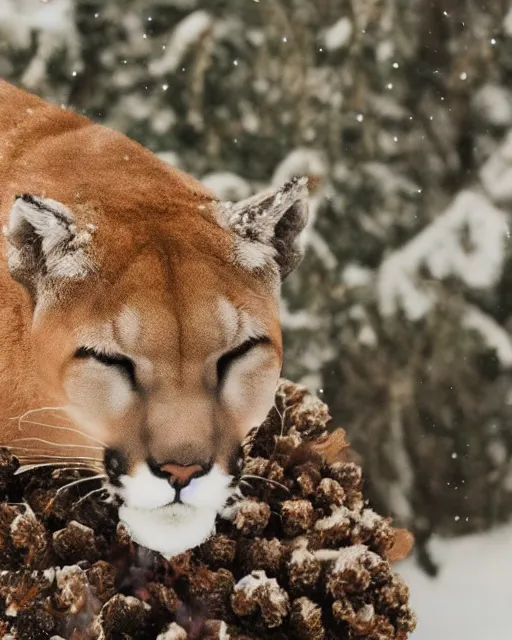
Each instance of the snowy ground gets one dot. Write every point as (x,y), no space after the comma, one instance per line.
(471,599)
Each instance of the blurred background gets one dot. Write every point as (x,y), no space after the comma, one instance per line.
(401,314)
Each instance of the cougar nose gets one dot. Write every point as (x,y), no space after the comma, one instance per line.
(179,475)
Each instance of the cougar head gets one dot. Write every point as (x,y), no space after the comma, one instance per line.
(156,321)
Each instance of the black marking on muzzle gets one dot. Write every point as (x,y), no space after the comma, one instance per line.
(115,464)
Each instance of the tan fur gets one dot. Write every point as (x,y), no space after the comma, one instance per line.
(157,253)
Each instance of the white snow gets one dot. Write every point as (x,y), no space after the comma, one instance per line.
(163,120)
(339,517)
(354,555)
(302,319)
(467,241)
(397,497)
(389,180)
(253,581)
(472,596)
(54,27)
(494,336)
(173,632)
(191,29)
(338,36)
(307,607)
(498,453)
(494,103)
(507,23)
(226,185)
(313,357)
(358,312)
(367,336)
(256,579)
(170,157)
(496,174)
(385,50)
(301,556)
(300,162)
(68,578)
(134,27)
(314,240)
(354,275)
(388,107)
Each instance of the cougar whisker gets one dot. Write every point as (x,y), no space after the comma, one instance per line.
(50,457)
(64,466)
(87,495)
(31,411)
(274,482)
(56,444)
(100,476)
(70,429)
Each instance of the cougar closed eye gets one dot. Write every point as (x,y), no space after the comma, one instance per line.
(225,361)
(124,364)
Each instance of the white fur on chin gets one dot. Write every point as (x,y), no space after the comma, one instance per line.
(169,530)
(172,528)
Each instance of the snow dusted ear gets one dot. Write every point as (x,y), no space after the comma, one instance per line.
(269,225)
(44,242)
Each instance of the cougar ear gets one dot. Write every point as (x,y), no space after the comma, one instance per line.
(268,226)
(44,242)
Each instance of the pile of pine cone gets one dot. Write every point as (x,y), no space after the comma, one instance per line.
(298,555)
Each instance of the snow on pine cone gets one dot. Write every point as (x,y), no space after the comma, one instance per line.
(296,554)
